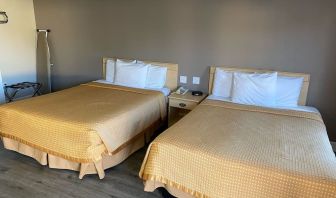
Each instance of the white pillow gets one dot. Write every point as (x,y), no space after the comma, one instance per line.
(288,91)
(131,75)
(125,62)
(255,89)
(222,83)
(156,77)
(109,70)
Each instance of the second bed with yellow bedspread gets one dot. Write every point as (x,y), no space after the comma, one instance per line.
(223,149)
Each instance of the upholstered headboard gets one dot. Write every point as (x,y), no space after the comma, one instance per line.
(172,70)
(304,89)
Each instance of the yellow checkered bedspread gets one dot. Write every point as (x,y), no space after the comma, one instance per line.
(81,123)
(223,149)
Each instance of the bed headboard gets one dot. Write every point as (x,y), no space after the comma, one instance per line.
(304,89)
(172,70)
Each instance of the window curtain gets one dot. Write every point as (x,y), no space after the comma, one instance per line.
(43,62)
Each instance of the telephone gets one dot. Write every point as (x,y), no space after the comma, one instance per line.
(182,90)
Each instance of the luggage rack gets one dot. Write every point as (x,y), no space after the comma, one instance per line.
(21,86)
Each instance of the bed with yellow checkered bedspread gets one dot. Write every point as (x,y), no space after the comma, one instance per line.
(81,123)
(223,149)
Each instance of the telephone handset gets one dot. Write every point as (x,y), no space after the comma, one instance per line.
(182,90)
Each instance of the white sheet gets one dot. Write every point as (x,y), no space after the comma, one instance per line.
(164,90)
(297,108)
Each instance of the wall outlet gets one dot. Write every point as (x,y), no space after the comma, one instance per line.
(196,80)
(183,79)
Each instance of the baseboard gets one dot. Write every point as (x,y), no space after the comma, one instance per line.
(333,144)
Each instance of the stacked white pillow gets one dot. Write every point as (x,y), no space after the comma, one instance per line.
(261,89)
(288,91)
(254,89)
(131,74)
(222,83)
(111,67)
(156,77)
(135,74)
(109,70)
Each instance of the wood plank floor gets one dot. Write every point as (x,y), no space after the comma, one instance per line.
(21,176)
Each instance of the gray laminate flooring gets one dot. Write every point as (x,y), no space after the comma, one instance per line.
(21,176)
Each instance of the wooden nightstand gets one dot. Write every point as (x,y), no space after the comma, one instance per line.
(180,105)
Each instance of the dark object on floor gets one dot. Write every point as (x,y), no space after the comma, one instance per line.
(21,86)
(197,93)
(165,193)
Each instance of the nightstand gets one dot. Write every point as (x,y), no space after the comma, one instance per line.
(180,105)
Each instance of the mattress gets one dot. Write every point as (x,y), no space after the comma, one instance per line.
(223,149)
(82,123)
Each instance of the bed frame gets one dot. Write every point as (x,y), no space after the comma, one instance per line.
(304,88)
(172,70)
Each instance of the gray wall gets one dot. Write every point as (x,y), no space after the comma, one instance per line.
(286,35)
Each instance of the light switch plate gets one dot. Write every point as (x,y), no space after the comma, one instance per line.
(196,80)
(183,79)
